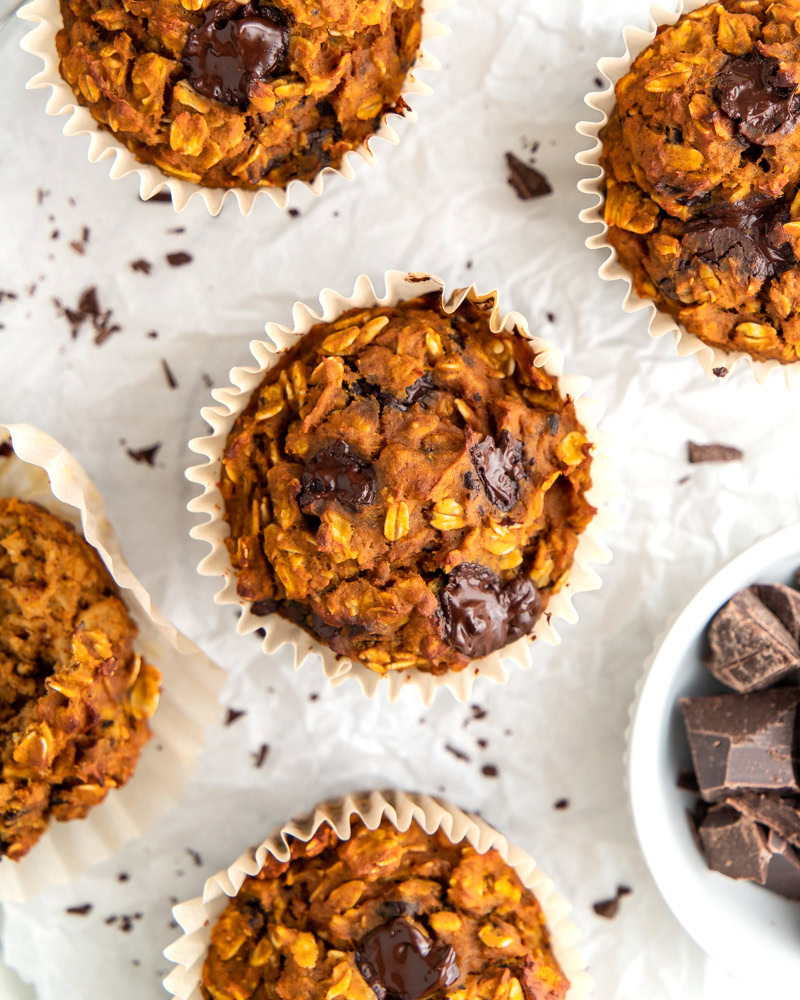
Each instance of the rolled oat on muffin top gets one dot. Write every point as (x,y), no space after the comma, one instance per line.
(239,94)
(387,915)
(702,161)
(75,697)
(407,486)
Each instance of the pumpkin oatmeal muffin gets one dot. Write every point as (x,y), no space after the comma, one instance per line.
(702,157)
(227,93)
(407,486)
(74,696)
(397,916)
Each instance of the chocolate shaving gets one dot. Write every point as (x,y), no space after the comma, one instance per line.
(260,755)
(172,382)
(609,908)
(80,911)
(527,181)
(88,310)
(713,453)
(232,715)
(146,455)
(458,754)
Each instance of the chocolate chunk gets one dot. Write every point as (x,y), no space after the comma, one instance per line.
(479,615)
(142,265)
(720,372)
(734,845)
(750,648)
(400,962)
(749,230)
(781,815)
(337,474)
(5,449)
(264,607)
(609,908)
(784,603)
(527,181)
(418,392)
(458,754)
(500,467)
(687,780)
(745,742)
(713,453)
(179,258)
(490,771)
(753,92)
(232,715)
(233,48)
(783,873)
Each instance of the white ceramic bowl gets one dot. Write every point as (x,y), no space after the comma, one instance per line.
(746,929)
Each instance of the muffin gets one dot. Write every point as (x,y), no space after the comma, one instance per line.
(397,916)
(74,695)
(239,94)
(702,162)
(406,485)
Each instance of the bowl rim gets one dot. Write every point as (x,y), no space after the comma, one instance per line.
(659,674)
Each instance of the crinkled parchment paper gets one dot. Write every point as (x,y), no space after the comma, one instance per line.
(515,73)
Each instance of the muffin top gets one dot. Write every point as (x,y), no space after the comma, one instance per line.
(408,486)
(397,916)
(702,156)
(239,94)
(74,696)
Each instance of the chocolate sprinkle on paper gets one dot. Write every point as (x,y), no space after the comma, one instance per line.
(146,455)
(713,453)
(527,181)
(179,258)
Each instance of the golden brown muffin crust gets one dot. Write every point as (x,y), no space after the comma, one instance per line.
(74,696)
(702,156)
(236,94)
(408,486)
(307,929)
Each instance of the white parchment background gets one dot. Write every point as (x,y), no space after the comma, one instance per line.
(515,71)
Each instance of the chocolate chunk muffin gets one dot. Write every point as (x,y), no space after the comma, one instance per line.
(702,156)
(236,94)
(397,916)
(408,486)
(74,696)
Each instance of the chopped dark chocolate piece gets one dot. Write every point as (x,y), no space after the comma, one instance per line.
(500,467)
(400,962)
(179,258)
(750,648)
(336,473)
(687,780)
(784,603)
(744,742)
(783,873)
(781,815)
(734,845)
(713,453)
(527,181)
(146,455)
(609,908)
(80,911)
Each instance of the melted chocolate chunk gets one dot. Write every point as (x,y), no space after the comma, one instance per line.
(751,231)
(499,464)
(418,392)
(479,615)
(337,474)
(400,962)
(751,92)
(225,54)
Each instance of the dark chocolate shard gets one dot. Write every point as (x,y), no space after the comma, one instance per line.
(734,845)
(399,961)
(784,603)
(750,231)
(744,742)
(233,48)
(335,473)
(500,466)
(480,615)
(713,453)
(750,648)
(753,92)
(783,873)
(780,815)
(527,181)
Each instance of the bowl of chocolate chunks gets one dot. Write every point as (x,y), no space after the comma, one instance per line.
(714,763)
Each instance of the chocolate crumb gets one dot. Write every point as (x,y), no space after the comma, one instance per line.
(314,696)
(608,908)
(179,258)
(713,453)
(80,911)
(41,194)
(141,265)
(207,380)
(598,82)
(147,455)
(88,310)
(135,961)
(294,213)
(478,712)
(55,234)
(232,715)
(458,754)
(176,230)
(172,382)
(153,334)
(490,770)
(561,804)
(468,265)
(111,920)
(261,755)
(551,317)
(526,180)
(7,295)
(720,372)
(123,877)
(684,480)
(483,744)
(195,856)
(126,924)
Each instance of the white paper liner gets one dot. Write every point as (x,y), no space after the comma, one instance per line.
(42,471)
(715,363)
(41,42)
(197,916)
(400,286)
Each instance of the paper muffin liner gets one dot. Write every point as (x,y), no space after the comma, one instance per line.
(42,471)
(400,287)
(717,364)
(197,916)
(103,144)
